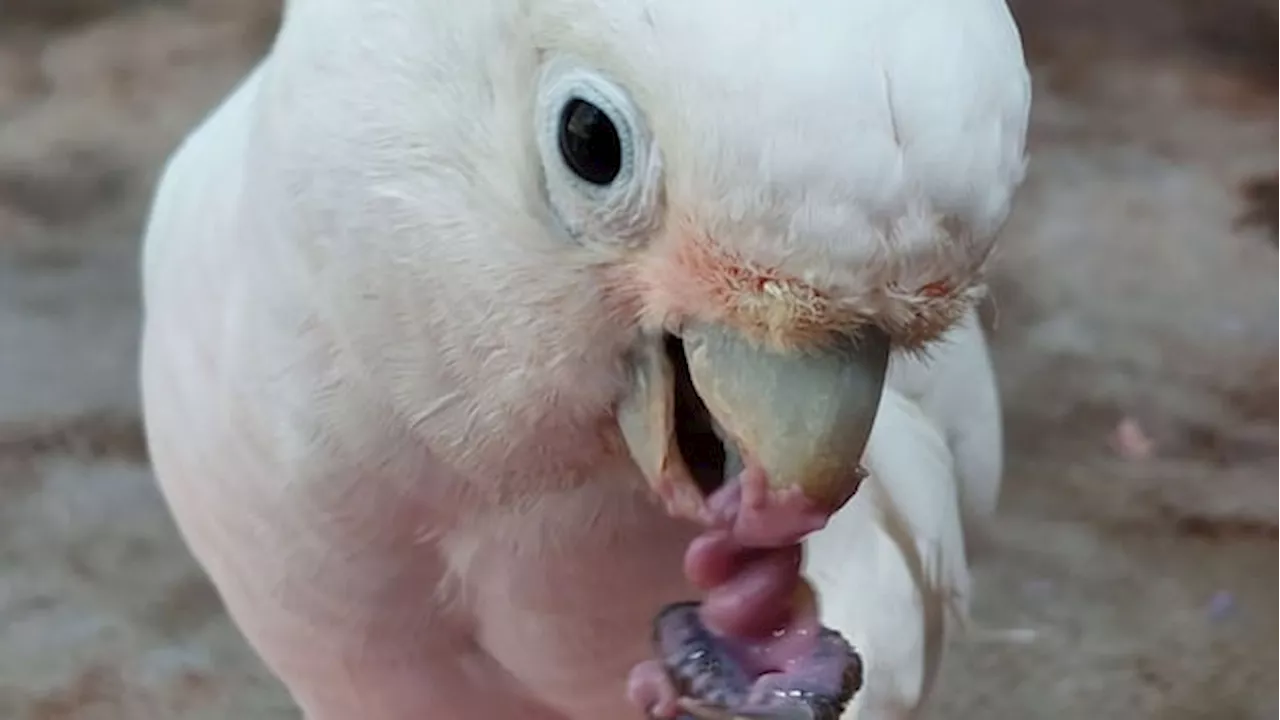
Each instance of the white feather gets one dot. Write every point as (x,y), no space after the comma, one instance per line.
(892,568)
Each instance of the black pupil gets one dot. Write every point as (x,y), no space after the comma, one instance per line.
(589,142)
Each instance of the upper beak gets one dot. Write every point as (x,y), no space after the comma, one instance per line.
(803,416)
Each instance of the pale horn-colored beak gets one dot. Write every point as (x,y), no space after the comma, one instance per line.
(802,416)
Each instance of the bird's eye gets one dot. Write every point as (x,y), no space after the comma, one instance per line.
(601,170)
(589,142)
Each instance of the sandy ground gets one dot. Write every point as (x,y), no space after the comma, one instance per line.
(1137,290)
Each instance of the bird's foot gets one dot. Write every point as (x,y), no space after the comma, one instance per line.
(753,648)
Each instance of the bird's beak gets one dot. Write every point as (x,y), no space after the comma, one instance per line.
(707,403)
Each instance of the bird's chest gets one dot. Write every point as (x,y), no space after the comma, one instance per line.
(562,591)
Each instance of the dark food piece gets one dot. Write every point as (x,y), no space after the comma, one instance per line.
(716,684)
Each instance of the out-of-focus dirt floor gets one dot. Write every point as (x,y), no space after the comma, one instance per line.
(1134,325)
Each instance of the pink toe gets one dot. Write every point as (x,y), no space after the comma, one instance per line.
(649,689)
(712,558)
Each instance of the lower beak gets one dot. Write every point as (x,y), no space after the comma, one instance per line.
(802,416)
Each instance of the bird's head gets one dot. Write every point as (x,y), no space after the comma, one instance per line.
(707,215)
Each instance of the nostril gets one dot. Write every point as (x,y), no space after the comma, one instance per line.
(700,447)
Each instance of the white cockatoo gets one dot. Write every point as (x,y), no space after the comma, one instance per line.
(485,339)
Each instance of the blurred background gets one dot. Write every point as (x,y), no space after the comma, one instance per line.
(1134,322)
